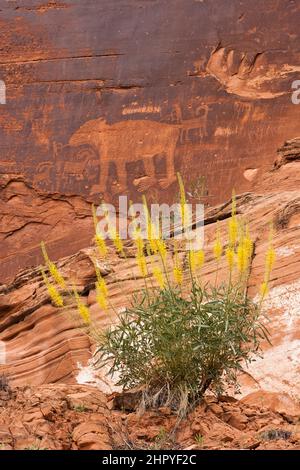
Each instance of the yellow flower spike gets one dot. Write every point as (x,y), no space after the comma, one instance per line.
(148,249)
(233,230)
(178,275)
(218,248)
(54,295)
(183,206)
(230,258)
(200,258)
(119,244)
(161,248)
(101,300)
(196,260)
(177,270)
(45,254)
(140,246)
(83,310)
(153,246)
(136,232)
(102,287)
(158,275)
(270,259)
(188,218)
(153,240)
(271,232)
(53,270)
(142,264)
(248,243)
(117,241)
(76,295)
(102,248)
(192,261)
(152,236)
(264,289)
(140,257)
(100,241)
(242,258)
(181,188)
(97,270)
(56,275)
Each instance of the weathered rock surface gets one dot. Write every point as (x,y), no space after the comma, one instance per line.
(114,97)
(72,417)
(28,216)
(52,417)
(289,152)
(41,344)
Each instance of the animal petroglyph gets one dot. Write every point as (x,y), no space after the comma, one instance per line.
(130,141)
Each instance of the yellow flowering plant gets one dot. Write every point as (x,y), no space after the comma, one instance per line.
(57,288)
(181,334)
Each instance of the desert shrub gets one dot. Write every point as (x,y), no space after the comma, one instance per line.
(275,434)
(181,335)
(4,383)
(177,348)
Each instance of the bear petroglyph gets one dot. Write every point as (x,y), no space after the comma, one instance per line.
(137,140)
(130,141)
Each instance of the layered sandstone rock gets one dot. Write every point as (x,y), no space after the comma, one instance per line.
(41,344)
(28,216)
(114,97)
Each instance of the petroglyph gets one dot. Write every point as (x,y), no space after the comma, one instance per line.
(126,142)
(141,110)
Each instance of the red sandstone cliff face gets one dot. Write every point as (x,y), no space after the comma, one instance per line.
(212,79)
(28,216)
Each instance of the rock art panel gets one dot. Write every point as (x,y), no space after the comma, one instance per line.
(205,86)
(126,142)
